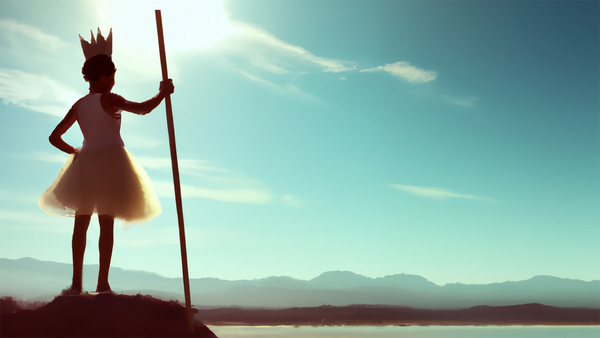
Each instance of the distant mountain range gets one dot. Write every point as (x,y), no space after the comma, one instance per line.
(31,279)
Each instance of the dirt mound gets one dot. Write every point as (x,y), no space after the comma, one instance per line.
(104,315)
(9,305)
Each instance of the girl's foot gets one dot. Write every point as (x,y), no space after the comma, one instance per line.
(104,289)
(71,291)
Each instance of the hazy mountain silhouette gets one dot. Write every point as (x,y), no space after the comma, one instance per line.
(27,278)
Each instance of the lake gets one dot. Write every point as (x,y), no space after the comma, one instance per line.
(408,332)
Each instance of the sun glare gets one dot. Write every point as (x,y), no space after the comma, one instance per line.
(188,25)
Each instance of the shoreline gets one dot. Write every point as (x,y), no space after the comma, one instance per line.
(235,324)
(516,315)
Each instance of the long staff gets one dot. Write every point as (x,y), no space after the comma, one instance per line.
(170,126)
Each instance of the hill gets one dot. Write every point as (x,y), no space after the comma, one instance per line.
(100,316)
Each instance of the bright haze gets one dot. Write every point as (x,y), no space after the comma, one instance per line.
(458,141)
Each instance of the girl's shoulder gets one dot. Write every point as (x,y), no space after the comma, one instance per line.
(75,105)
(112,98)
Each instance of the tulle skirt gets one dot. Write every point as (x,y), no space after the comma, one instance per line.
(105,181)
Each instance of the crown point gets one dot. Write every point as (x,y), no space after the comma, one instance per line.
(98,45)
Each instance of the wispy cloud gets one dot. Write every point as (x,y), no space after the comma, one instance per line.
(463,101)
(271,62)
(35,92)
(186,165)
(285,90)
(39,221)
(248,196)
(46,157)
(215,183)
(265,51)
(205,170)
(292,201)
(141,142)
(406,71)
(17,195)
(437,193)
(19,216)
(16,32)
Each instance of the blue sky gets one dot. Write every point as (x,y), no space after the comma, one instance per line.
(454,140)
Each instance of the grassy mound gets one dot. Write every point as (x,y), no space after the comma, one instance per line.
(103,315)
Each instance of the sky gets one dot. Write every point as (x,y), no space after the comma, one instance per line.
(454,140)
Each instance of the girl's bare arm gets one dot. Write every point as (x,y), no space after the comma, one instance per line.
(64,125)
(113,102)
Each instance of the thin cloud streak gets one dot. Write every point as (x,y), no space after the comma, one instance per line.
(141,142)
(46,227)
(224,185)
(287,90)
(246,196)
(200,168)
(292,201)
(12,195)
(463,101)
(21,216)
(191,164)
(38,93)
(37,222)
(17,32)
(266,51)
(47,157)
(406,71)
(436,193)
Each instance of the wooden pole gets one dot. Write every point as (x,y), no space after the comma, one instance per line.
(176,183)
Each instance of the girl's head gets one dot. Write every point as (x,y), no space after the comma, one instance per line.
(96,67)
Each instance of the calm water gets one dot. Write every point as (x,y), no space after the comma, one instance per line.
(409,332)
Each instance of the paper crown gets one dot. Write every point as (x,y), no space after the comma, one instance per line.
(97,46)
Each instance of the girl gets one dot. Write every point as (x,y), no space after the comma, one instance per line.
(102,177)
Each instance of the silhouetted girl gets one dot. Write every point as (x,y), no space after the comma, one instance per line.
(101,177)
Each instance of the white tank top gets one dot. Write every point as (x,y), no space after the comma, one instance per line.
(99,129)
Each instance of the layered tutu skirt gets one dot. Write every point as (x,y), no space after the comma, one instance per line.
(105,181)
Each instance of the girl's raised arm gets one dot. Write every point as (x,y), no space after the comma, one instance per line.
(64,125)
(115,102)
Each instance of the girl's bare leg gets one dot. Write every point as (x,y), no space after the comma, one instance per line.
(105,246)
(82,223)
